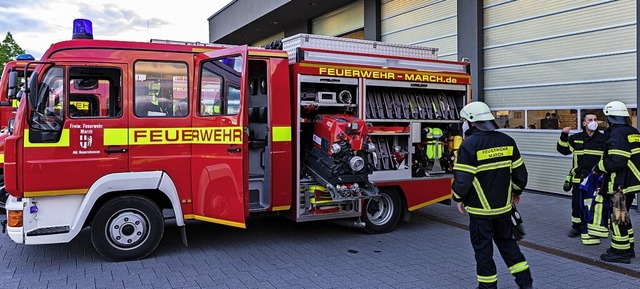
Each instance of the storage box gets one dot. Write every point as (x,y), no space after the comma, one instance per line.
(290,45)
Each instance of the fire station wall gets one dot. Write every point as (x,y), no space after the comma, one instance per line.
(341,21)
(548,55)
(430,23)
(547,168)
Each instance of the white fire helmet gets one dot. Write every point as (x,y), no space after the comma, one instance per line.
(479,113)
(616,112)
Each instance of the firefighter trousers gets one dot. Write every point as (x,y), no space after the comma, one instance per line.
(622,240)
(576,208)
(484,232)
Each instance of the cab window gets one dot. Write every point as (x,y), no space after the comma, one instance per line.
(161,89)
(220,86)
(95,92)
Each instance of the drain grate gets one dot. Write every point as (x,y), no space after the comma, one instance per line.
(549,250)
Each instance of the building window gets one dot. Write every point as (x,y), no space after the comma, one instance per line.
(510,118)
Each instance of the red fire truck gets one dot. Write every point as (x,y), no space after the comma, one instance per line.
(322,129)
(7,105)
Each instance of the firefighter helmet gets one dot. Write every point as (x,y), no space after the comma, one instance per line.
(616,112)
(479,113)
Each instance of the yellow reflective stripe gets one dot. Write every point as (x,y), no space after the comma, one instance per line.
(610,189)
(517,163)
(620,238)
(465,168)
(34,194)
(633,169)
(563,143)
(214,220)
(625,154)
(578,141)
(631,189)
(601,166)
(519,267)
(116,136)
(281,133)
(496,152)
(422,205)
(593,152)
(1,158)
(488,279)
(588,240)
(489,212)
(516,187)
(456,195)
(480,192)
(63,142)
(494,166)
(635,151)
(281,208)
(575,220)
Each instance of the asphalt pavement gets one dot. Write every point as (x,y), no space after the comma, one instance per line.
(431,251)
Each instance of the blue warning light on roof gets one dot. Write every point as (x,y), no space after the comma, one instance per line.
(82,29)
(25,57)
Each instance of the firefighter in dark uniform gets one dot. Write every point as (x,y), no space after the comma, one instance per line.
(489,176)
(586,147)
(620,166)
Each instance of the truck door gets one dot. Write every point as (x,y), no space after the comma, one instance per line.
(70,140)
(219,146)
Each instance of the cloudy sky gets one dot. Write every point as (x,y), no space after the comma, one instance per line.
(36,24)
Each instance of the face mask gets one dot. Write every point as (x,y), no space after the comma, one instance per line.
(592,126)
(465,127)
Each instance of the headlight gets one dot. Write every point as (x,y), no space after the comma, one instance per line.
(335,148)
(354,126)
(356,163)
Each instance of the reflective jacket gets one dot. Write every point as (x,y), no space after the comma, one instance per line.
(621,159)
(587,151)
(488,170)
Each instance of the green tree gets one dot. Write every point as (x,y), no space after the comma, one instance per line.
(9,49)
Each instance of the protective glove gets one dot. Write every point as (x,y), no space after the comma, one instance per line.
(619,215)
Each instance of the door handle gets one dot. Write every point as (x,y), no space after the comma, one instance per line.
(115,150)
(234,150)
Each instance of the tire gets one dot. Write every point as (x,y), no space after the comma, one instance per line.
(382,213)
(127,228)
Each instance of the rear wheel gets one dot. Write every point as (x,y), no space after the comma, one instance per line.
(382,213)
(127,228)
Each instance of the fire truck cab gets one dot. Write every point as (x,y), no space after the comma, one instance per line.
(324,129)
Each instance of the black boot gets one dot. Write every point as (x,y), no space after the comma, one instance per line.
(574,232)
(616,256)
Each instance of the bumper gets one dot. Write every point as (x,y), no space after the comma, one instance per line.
(15,233)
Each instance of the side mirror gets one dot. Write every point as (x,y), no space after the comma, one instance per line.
(13,84)
(32,91)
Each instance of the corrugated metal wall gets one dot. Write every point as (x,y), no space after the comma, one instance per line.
(547,53)
(430,23)
(340,21)
(547,168)
(576,51)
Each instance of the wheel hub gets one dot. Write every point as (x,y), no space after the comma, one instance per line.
(127,229)
(379,210)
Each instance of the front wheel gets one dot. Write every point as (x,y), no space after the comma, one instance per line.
(382,212)
(127,228)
